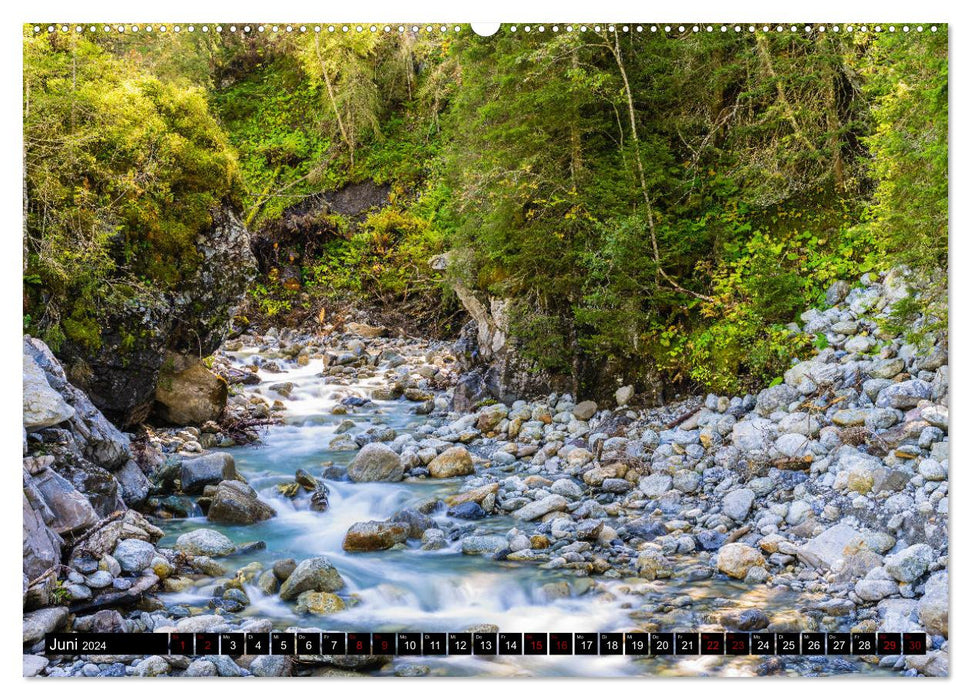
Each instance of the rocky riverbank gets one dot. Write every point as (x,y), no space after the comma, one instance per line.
(821,503)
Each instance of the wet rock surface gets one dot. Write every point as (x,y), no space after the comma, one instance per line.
(820,503)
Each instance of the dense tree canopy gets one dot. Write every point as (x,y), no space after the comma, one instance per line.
(646,201)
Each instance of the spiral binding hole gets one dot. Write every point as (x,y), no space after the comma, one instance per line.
(443,29)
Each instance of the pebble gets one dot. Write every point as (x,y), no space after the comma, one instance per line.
(834,531)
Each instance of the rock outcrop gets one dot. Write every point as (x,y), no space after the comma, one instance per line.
(80,476)
(43,407)
(494,368)
(141,339)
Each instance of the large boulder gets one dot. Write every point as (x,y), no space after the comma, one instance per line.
(898,615)
(374,535)
(467,511)
(476,495)
(319,603)
(43,407)
(652,564)
(33,664)
(585,410)
(415,521)
(189,395)
(876,586)
(71,512)
(837,292)
(40,622)
(738,503)
(207,470)
(755,435)
(133,483)
(775,398)
(491,416)
(483,544)
(376,462)
(655,485)
(455,461)
(366,331)
(97,485)
(537,509)
(237,503)
(904,395)
(315,574)
(42,546)
(810,375)
(623,395)
(134,556)
(911,563)
(840,549)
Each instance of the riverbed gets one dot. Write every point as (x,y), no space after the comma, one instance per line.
(411,589)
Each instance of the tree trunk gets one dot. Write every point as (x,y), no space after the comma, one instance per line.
(333,99)
(638,159)
(576,152)
(833,127)
(763,46)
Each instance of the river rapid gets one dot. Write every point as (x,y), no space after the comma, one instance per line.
(410,589)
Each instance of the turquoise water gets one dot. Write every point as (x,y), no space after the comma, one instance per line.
(414,590)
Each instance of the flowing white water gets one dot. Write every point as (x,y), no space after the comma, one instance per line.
(412,589)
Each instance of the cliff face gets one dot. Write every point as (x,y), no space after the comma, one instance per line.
(148,343)
(494,368)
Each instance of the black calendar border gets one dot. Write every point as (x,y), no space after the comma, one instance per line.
(640,644)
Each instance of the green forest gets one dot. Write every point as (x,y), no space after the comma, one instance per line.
(646,202)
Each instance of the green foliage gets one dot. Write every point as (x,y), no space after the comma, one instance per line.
(645,202)
(686,234)
(314,113)
(771,116)
(60,594)
(908,86)
(280,149)
(908,317)
(544,338)
(123,172)
(763,280)
(272,298)
(386,259)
